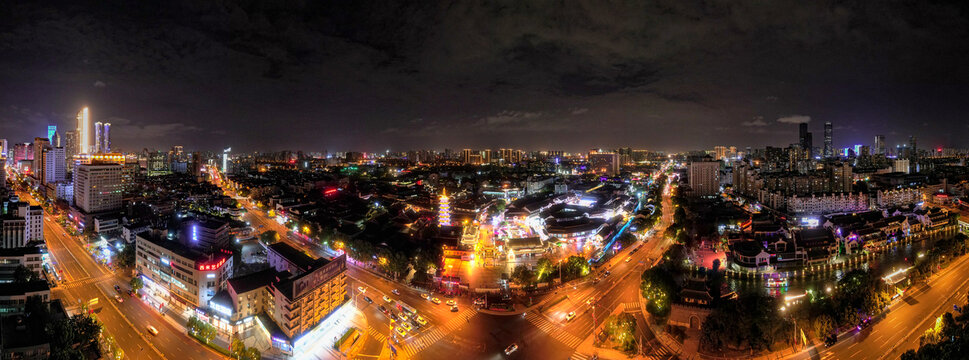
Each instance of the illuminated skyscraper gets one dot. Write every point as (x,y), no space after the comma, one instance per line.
(84,131)
(444,210)
(70,149)
(225,160)
(106,138)
(880,144)
(828,148)
(98,128)
(51,129)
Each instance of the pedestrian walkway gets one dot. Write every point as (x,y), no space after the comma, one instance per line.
(376,334)
(436,334)
(553,330)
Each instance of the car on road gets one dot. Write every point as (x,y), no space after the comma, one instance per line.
(511,348)
(436,301)
(607,273)
(400,331)
(117,288)
(395,292)
(361,289)
(451,302)
(454,308)
(387,299)
(425,297)
(629,258)
(590,301)
(420,320)
(402,316)
(152,330)
(367,299)
(383,309)
(830,340)
(118,297)
(570,316)
(406,326)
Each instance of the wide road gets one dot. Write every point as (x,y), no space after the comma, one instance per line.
(899,330)
(85,279)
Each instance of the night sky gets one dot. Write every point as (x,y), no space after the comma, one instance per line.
(566,75)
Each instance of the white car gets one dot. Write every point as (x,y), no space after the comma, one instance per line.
(511,348)
(425,297)
(451,302)
(570,316)
(152,330)
(361,289)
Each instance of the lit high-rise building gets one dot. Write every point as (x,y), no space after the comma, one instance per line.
(54,165)
(98,127)
(97,187)
(604,163)
(225,160)
(84,131)
(106,138)
(828,145)
(37,166)
(704,178)
(879,144)
(51,129)
(70,149)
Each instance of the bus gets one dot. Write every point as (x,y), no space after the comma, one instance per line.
(410,311)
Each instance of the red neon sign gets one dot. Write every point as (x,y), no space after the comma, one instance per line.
(205,267)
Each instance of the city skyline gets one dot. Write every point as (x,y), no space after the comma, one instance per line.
(374,83)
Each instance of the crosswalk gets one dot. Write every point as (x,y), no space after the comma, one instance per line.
(631,307)
(436,334)
(83,281)
(656,354)
(376,334)
(553,330)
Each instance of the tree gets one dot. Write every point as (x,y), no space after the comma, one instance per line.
(126,258)
(137,283)
(23,275)
(523,275)
(574,268)
(544,269)
(823,325)
(621,330)
(657,288)
(269,237)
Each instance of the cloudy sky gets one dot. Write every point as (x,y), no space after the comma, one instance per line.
(374,75)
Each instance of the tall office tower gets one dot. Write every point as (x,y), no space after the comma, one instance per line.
(704,178)
(37,167)
(828,146)
(70,149)
(84,131)
(98,128)
(97,187)
(51,129)
(54,164)
(106,138)
(805,139)
(3,148)
(466,155)
(880,145)
(56,141)
(225,160)
(913,147)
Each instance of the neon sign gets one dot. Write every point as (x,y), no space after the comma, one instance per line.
(206,267)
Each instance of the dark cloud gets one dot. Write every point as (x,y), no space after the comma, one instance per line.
(356,75)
